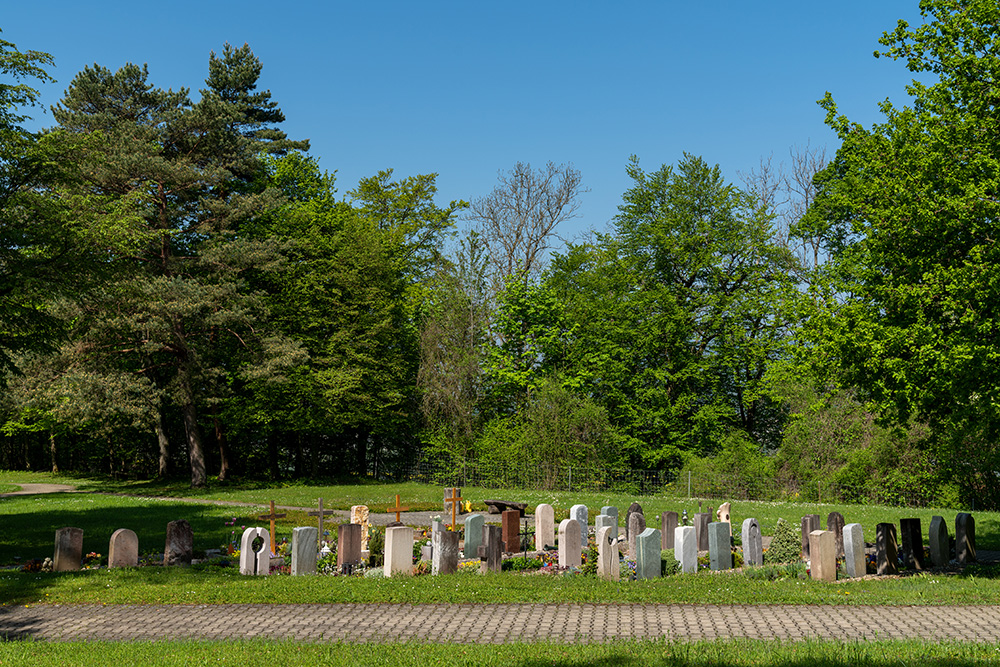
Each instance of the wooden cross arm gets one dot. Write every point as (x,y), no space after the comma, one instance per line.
(318,513)
(272,516)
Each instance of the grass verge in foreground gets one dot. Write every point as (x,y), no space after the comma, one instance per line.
(620,654)
(157,585)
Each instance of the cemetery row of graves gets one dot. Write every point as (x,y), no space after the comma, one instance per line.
(614,547)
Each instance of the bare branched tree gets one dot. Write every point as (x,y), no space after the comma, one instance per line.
(518,220)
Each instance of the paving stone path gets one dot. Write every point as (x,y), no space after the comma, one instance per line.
(491,624)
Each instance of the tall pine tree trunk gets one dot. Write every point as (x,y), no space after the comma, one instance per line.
(161,439)
(52,450)
(196,453)
(220,439)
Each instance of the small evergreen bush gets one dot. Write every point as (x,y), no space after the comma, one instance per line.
(786,545)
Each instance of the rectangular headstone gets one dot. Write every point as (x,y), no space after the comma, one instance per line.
(823,555)
(668,522)
(69,550)
(445,557)
(854,551)
(473,535)
(304,549)
(398,551)
(545,527)
(605,521)
(911,543)
(753,544)
(938,538)
(810,522)
(608,566)
(359,515)
(886,550)
(636,524)
(427,552)
(123,549)
(579,514)
(686,548)
(570,551)
(720,550)
(701,521)
(835,524)
(510,521)
(179,548)
(348,544)
(647,562)
(965,538)
(612,511)
(491,551)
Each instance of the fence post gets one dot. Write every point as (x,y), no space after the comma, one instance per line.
(570,479)
(819,492)
(689,483)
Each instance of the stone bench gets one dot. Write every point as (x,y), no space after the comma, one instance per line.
(499,506)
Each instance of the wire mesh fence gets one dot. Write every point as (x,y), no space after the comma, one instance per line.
(676,483)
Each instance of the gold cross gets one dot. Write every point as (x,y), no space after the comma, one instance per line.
(454,500)
(272,516)
(397,509)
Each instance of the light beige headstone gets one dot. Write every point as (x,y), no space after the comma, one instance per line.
(723,514)
(570,548)
(123,549)
(823,555)
(608,566)
(545,526)
(398,551)
(359,515)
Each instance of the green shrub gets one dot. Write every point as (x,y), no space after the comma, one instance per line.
(520,563)
(786,545)
(376,546)
(590,562)
(669,564)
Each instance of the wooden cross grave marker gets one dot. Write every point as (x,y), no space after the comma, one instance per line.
(271,517)
(456,498)
(397,509)
(321,513)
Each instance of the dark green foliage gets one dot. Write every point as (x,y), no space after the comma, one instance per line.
(520,564)
(786,544)
(668,563)
(376,546)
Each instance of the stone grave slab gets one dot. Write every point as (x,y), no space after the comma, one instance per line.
(668,522)
(304,549)
(810,522)
(179,548)
(579,514)
(123,549)
(632,509)
(701,522)
(473,535)
(570,551)
(510,520)
(545,527)
(911,543)
(359,515)
(398,551)
(753,544)
(886,549)
(823,555)
(255,561)
(647,562)
(965,538)
(491,551)
(938,538)
(348,544)
(835,524)
(720,550)
(69,550)
(854,551)
(445,558)
(637,524)
(608,566)
(686,548)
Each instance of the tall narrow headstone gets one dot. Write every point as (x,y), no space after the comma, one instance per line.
(457,491)
(612,511)
(720,550)
(668,522)
(348,544)
(632,509)
(823,555)
(605,521)
(69,550)
(545,527)
(701,522)
(179,548)
(835,524)
(886,550)
(570,551)
(491,551)
(965,538)
(911,542)
(753,545)
(510,521)
(359,515)
(854,550)
(810,522)
(938,538)
(579,514)
(473,535)
(636,524)
(304,549)
(647,562)
(255,561)
(123,549)
(608,566)
(398,551)
(445,557)
(686,548)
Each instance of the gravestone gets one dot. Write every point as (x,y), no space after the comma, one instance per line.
(612,511)
(810,522)
(636,524)
(180,544)
(123,549)
(965,538)
(398,551)
(725,516)
(426,552)
(608,566)
(304,549)
(686,548)
(854,550)
(605,521)
(272,517)
(255,562)
(823,555)
(753,545)
(570,551)
(579,514)
(348,544)
(720,550)
(321,514)
(69,550)
(511,522)
(835,524)
(701,522)
(632,509)
(359,515)
(911,543)
(545,527)
(647,562)
(885,548)
(491,551)
(449,493)
(445,558)
(668,522)
(473,535)
(938,538)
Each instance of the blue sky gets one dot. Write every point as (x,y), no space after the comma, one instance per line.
(465,89)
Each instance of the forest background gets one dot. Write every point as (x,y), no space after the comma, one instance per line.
(182,291)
